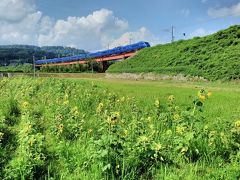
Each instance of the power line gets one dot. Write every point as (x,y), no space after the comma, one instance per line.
(193,24)
(172,30)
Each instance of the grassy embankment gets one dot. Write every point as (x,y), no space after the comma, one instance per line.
(214,57)
(75,129)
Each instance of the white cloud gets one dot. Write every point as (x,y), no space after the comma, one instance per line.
(89,32)
(225,11)
(204,1)
(200,32)
(23,32)
(15,10)
(21,23)
(132,37)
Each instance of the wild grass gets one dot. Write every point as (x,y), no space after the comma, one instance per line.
(20,68)
(224,102)
(79,129)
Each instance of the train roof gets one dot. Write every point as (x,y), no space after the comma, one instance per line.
(126,48)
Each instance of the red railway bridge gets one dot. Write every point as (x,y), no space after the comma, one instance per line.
(102,60)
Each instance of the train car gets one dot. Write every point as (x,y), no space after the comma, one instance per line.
(100,54)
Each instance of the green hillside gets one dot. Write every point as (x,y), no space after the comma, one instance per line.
(21,54)
(214,57)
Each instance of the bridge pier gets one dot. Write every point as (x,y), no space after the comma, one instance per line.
(104,66)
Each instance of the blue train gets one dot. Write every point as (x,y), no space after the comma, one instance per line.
(99,54)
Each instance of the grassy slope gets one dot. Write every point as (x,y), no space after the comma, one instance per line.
(213,57)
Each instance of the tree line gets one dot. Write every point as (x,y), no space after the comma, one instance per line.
(14,55)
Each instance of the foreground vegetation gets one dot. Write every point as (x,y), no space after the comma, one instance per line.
(214,57)
(21,68)
(71,129)
(73,68)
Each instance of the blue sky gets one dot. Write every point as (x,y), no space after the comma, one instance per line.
(96,24)
(156,15)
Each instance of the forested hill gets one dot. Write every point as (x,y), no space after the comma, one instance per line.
(214,57)
(19,54)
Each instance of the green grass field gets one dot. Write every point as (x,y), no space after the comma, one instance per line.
(97,128)
(224,103)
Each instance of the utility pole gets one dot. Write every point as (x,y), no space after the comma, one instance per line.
(170,30)
(34,67)
(173,34)
(92,66)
